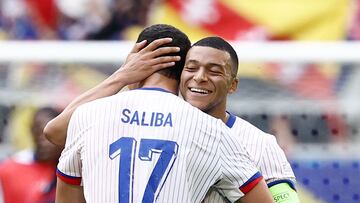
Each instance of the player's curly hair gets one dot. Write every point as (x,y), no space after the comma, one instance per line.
(180,40)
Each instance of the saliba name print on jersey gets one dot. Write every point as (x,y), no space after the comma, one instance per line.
(143,118)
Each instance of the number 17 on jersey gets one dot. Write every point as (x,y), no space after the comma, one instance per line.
(125,148)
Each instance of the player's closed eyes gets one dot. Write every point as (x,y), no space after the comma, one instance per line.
(191,68)
(216,70)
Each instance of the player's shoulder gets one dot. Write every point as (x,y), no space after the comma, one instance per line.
(151,95)
(101,102)
(246,127)
(243,127)
(207,123)
(89,109)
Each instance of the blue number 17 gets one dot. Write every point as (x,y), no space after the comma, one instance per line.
(126,148)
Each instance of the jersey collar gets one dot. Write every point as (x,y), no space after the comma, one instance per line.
(231,120)
(153,88)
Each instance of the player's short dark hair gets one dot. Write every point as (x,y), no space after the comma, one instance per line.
(180,40)
(221,44)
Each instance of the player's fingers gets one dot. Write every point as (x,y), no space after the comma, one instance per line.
(156,43)
(162,66)
(164,59)
(164,50)
(138,46)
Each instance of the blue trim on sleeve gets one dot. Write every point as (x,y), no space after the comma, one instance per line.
(291,183)
(255,176)
(63,174)
(230,122)
(68,179)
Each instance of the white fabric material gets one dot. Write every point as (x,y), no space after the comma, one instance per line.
(204,152)
(267,155)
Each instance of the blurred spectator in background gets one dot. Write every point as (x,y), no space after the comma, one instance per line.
(70,20)
(354,28)
(79,18)
(29,176)
(4,114)
(28,19)
(125,13)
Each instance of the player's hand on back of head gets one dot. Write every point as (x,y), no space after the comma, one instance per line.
(145,60)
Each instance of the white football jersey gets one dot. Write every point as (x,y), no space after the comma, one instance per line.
(148,145)
(267,155)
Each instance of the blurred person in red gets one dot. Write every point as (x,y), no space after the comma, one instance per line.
(29,176)
(44,17)
(28,19)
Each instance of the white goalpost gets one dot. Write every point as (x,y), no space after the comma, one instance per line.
(115,51)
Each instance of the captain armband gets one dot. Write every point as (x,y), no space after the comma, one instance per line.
(282,192)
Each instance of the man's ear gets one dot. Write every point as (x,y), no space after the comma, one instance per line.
(233,85)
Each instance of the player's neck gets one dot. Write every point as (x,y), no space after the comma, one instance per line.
(219,112)
(161,81)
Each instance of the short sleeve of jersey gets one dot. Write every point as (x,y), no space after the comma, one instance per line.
(273,164)
(69,166)
(239,174)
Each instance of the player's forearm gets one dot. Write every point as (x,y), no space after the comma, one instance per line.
(260,193)
(56,129)
(69,193)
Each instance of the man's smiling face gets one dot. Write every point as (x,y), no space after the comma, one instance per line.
(207,79)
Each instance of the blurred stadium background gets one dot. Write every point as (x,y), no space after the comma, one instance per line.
(299,72)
